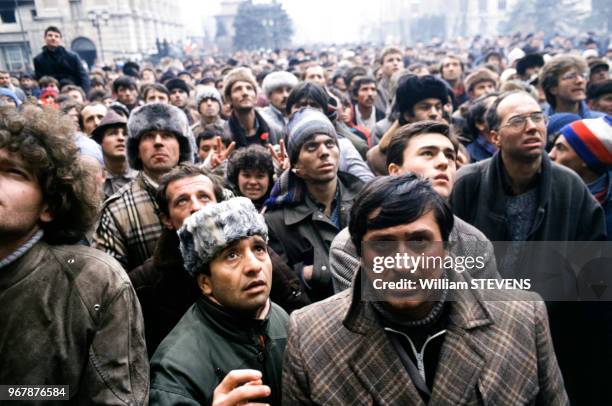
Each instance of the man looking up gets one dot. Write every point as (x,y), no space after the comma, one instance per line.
(277,86)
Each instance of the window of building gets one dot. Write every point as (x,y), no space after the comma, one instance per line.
(501,5)
(7,16)
(14,57)
(33,13)
(482,6)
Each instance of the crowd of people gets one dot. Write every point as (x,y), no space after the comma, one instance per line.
(193,232)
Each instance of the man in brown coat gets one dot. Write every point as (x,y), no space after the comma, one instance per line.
(435,346)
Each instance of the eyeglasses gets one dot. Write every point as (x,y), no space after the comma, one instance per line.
(519,122)
(574,75)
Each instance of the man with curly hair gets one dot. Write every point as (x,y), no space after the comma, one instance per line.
(69,314)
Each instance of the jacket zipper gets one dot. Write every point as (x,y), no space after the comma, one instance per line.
(419,355)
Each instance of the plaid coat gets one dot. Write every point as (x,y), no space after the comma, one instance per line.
(129,225)
(494,353)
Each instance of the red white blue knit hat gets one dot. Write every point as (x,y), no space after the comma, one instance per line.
(591,138)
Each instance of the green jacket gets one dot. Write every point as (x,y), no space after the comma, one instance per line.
(206,344)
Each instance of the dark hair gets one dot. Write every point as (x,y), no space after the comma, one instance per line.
(401,200)
(253,157)
(154,86)
(52,28)
(98,95)
(182,171)
(45,81)
(44,139)
(124,81)
(69,88)
(352,72)
(400,140)
(476,115)
(210,131)
(309,91)
(365,80)
(97,80)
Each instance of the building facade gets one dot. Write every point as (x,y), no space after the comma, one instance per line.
(101,31)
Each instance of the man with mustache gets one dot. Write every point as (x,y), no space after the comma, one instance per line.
(129,224)
(111,134)
(228,348)
(277,86)
(365,113)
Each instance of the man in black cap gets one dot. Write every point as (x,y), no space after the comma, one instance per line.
(179,96)
(599,71)
(529,66)
(599,96)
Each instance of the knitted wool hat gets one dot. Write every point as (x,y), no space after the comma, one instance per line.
(274,80)
(177,84)
(157,117)
(304,124)
(414,89)
(238,75)
(9,93)
(208,92)
(559,120)
(591,138)
(479,76)
(210,230)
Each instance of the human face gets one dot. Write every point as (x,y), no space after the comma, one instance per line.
(599,74)
(571,87)
(482,88)
(26,83)
(253,183)
(305,103)
(315,74)
(451,69)
(422,231)
(243,96)
(74,117)
(427,109)
(113,143)
(520,142)
(127,95)
(148,77)
(178,98)
(431,156)
(154,96)
(76,96)
(206,146)
(209,108)
(340,85)
(22,208)
(366,96)
(563,154)
(391,64)
(278,97)
(92,115)
(186,196)
(159,152)
(53,39)
(5,79)
(603,104)
(318,159)
(240,277)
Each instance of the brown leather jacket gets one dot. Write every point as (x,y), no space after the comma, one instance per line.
(69,316)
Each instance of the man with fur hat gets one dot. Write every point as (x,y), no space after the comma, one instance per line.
(480,82)
(416,99)
(277,86)
(230,343)
(208,104)
(309,204)
(585,146)
(246,125)
(129,226)
(111,134)
(529,66)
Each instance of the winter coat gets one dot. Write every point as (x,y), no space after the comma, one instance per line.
(275,118)
(301,234)
(129,225)
(69,316)
(61,64)
(165,290)
(495,352)
(206,344)
(344,261)
(266,134)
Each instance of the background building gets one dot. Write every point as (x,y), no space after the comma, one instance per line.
(98,30)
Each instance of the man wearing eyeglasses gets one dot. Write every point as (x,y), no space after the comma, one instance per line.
(564,80)
(520,195)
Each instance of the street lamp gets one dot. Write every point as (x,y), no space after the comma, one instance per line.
(96,18)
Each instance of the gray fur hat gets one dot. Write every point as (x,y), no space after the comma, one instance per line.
(209,231)
(208,92)
(304,124)
(157,117)
(241,74)
(274,80)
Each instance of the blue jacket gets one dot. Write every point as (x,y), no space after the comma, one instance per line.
(583,111)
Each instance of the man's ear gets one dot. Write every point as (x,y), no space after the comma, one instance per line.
(166,221)
(393,169)
(553,90)
(494,138)
(45,215)
(204,284)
